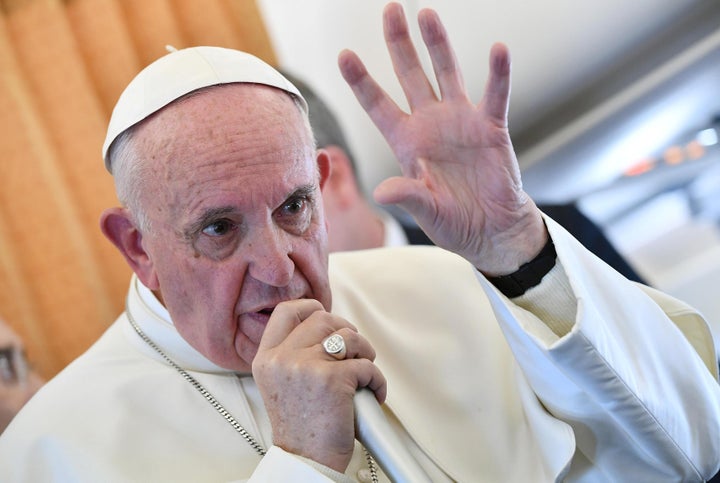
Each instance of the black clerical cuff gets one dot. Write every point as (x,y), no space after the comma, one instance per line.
(529,274)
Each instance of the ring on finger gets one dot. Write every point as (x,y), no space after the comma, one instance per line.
(335,346)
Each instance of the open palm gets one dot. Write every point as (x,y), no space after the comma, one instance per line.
(460,177)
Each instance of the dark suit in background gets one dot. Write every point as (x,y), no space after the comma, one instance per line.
(574,221)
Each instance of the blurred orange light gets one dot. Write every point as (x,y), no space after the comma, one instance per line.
(642,166)
(695,149)
(674,155)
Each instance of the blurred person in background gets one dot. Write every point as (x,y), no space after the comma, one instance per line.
(18,380)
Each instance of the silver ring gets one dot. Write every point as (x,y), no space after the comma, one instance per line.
(335,346)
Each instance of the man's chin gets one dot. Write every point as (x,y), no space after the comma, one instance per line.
(238,363)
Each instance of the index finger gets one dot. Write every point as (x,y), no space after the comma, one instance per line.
(285,317)
(383,111)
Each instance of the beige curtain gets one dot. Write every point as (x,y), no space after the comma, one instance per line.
(62,66)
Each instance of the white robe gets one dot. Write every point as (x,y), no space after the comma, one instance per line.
(480,388)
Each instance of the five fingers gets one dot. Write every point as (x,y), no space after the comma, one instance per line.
(388,117)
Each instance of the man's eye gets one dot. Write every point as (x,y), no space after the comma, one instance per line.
(218,228)
(295,214)
(295,206)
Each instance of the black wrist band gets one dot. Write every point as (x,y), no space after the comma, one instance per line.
(529,274)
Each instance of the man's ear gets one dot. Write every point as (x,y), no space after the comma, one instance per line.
(324,166)
(118,227)
(340,185)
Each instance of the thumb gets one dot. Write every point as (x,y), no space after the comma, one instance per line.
(409,194)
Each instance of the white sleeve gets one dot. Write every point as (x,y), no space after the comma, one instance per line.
(640,394)
(279,465)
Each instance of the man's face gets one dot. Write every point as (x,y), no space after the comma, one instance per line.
(236,216)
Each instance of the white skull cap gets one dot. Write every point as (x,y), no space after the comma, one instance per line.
(181,72)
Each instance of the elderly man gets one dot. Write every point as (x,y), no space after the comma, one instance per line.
(238,356)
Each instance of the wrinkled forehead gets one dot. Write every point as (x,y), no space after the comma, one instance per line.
(238,106)
(240,150)
(243,130)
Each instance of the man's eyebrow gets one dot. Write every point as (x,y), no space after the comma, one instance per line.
(213,214)
(207,216)
(307,190)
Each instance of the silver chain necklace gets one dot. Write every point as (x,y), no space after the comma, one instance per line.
(215,403)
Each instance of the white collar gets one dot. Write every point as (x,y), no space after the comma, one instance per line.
(151,301)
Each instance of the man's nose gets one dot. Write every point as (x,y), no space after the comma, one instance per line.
(269,254)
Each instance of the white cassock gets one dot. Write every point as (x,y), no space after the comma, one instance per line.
(617,382)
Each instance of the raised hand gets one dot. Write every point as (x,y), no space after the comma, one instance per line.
(308,392)
(461,179)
